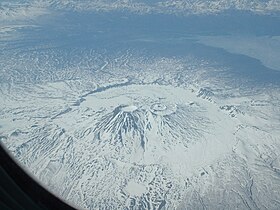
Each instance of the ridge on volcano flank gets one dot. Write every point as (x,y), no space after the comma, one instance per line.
(122,126)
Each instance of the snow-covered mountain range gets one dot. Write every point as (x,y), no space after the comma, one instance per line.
(130,105)
(33,8)
(139,143)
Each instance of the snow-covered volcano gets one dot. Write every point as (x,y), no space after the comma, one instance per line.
(126,132)
(146,121)
(141,146)
(144,104)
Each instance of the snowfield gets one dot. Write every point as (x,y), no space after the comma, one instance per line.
(127,106)
(140,144)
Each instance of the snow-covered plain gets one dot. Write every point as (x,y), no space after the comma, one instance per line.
(128,110)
